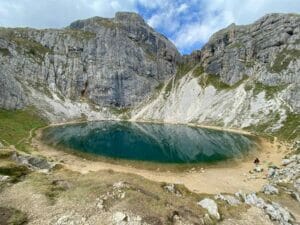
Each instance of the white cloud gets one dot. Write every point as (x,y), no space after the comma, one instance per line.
(57,13)
(216,14)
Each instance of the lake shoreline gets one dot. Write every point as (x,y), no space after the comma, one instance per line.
(226,178)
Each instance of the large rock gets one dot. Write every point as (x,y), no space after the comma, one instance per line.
(270,189)
(211,207)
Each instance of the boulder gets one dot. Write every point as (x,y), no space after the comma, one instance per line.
(269,189)
(211,207)
(231,200)
(4,178)
(172,189)
(34,162)
(118,217)
(258,169)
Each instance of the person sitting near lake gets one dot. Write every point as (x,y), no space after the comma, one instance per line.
(256,161)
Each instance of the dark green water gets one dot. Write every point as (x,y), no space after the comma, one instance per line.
(162,143)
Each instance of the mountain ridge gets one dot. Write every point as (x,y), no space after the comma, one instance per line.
(120,68)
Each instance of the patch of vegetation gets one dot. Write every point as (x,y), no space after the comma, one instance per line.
(290,129)
(123,112)
(18,36)
(213,80)
(42,88)
(250,64)
(34,49)
(15,126)
(198,71)
(107,23)
(183,69)
(16,172)
(4,52)
(11,216)
(235,45)
(159,87)
(283,60)
(80,34)
(270,91)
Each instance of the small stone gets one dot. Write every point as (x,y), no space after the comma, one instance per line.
(172,189)
(271,172)
(120,185)
(269,189)
(258,169)
(119,217)
(1,145)
(286,162)
(229,199)
(100,205)
(4,178)
(211,207)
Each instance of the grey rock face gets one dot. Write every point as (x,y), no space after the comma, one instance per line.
(270,189)
(271,45)
(108,62)
(33,162)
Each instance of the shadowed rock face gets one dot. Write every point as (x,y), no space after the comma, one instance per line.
(109,62)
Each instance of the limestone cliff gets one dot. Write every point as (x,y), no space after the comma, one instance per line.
(120,68)
(107,62)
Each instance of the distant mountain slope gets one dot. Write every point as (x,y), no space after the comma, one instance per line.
(245,76)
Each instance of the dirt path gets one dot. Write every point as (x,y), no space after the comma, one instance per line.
(228,179)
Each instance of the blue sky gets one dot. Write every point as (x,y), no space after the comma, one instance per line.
(188,24)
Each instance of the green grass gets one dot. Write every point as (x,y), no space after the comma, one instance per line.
(288,132)
(11,216)
(16,172)
(236,45)
(198,71)
(16,125)
(270,91)
(183,69)
(290,129)
(4,51)
(213,80)
(32,48)
(283,60)
(79,34)
(262,127)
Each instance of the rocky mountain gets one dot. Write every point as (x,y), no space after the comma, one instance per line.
(245,76)
(120,68)
(107,62)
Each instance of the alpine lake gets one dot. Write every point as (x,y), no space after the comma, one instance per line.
(158,144)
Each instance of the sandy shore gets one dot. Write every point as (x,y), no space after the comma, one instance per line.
(225,178)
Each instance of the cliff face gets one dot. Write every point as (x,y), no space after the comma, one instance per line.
(107,62)
(245,76)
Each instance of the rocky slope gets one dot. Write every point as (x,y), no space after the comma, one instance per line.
(120,68)
(245,76)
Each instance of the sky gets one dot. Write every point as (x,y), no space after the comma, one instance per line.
(187,23)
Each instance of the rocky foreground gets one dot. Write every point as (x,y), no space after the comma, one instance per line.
(38,190)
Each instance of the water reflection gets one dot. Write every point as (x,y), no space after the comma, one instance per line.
(150,142)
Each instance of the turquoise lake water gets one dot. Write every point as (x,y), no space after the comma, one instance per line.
(163,143)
